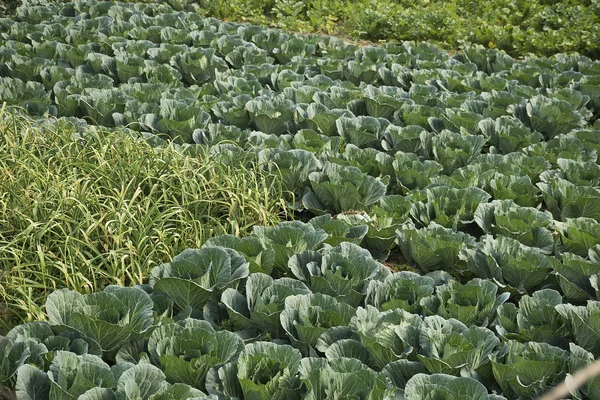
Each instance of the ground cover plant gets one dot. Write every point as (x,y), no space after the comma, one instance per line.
(102,210)
(478,170)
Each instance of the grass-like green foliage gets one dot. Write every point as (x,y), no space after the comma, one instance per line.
(106,208)
(542,27)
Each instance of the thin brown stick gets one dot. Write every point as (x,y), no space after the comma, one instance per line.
(573,382)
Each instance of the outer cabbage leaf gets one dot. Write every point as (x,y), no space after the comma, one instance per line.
(443,386)
(576,276)
(519,189)
(383,101)
(323,120)
(110,317)
(294,166)
(339,188)
(584,323)
(260,256)
(342,377)
(339,230)
(272,114)
(361,131)
(578,360)
(406,139)
(434,247)
(412,173)
(449,207)
(71,375)
(452,150)
(289,238)
(582,173)
(551,116)
(449,347)
(387,336)
(579,235)
(566,200)
(508,134)
(473,303)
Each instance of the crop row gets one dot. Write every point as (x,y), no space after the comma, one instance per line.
(336,322)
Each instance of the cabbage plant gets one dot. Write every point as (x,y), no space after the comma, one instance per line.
(264,370)
(400,290)
(472,303)
(567,200)
(578,277)
(528,225)
(339,188)
(111,317)
(433,247)
(289,238)
(448,346)
(526,370)
(195,274)
(264,301)
(584,323)
(308,316)
(510,264)
(534,320)
(186,350)
(387,336)
(342,272)
(449,207)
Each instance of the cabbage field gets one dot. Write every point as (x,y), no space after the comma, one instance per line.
(446,239)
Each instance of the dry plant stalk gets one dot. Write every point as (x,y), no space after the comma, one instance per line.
(573,382)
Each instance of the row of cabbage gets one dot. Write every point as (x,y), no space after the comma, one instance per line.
(95,60)
(337,323)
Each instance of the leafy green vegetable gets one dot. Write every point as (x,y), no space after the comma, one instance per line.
(263,304)
(401,290)
(525,224)
(509,263)
(473,303)
(443,386)
(433,247)
(447,346)
(187,349)
(110,317)
(193,275)
(525,370)
(264,370)
(338,188)
(534,320)
(386,335)
(342,272)
(584,323)
(306,317)
(449,207)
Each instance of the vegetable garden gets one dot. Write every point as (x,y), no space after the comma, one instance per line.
(477,171)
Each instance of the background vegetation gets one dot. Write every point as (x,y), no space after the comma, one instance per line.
(520,27)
